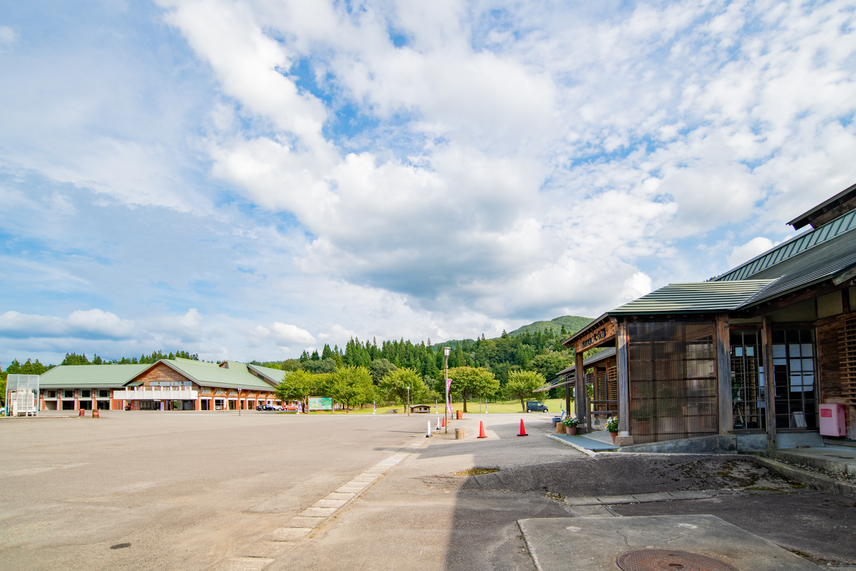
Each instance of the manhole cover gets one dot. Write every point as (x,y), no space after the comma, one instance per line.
(662,559)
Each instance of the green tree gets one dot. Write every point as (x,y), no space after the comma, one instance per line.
(549,364)
(318,366)
(297,385)
(522,384)
(350,385)
(471,382)
(395,384)
(381,368)
(28,368)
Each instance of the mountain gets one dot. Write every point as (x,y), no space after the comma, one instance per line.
(572,323)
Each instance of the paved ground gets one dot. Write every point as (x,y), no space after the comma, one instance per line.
(218,491)
(185,490)
(419,517)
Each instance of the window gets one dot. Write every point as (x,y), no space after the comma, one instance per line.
(51,394)
(794,369)
(103,394)
(68,394)
(747,381)
(85,393)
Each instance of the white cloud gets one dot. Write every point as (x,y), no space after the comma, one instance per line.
(284,334)
(7,36)
(338,335)
(81,324)
(744,253)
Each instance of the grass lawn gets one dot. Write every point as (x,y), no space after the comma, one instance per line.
(511,406)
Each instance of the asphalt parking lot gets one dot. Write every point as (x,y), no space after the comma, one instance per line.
(210,490)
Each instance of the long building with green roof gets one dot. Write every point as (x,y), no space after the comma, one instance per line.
(169,384)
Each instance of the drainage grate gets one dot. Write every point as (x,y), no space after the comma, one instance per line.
(663,559)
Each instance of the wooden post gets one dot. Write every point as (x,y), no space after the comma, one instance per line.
(567,397)
(580,388)
(723,375)
(622,357)
(769,382)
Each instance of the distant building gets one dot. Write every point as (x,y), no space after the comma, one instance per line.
(169,384)
(751,353)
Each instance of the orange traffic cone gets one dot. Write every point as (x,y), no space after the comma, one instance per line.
(522,429)
(481,430)
(444,421)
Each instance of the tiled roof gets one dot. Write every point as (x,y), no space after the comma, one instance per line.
(829,233)
(697,297)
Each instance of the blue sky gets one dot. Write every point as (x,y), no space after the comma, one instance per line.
(247,180)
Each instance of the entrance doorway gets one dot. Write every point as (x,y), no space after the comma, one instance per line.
(747,381)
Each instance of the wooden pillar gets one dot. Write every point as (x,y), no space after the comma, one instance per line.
(580,388)
(769,382)
(567,397)
(622,358)
(723,375)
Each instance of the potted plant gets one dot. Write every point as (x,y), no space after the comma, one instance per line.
(612,427)
(571,424)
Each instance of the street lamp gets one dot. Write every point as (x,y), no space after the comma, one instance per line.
(446,352)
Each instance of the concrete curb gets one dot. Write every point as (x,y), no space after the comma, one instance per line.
(585,451)
(809,479)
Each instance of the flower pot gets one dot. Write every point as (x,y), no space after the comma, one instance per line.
(571,430)
(613,434)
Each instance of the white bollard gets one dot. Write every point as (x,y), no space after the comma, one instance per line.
(438,423)
(429,435)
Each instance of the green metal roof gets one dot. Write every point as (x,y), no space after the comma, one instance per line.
(698,297)
(235,376)
(273,376)
(792,248)
(89,376)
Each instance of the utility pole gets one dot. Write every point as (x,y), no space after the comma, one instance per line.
(446,352)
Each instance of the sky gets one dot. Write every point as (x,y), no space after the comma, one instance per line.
(249,180)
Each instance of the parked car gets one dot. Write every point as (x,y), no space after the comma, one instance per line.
(535,406)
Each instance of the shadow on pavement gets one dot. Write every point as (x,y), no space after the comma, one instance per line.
(484,532)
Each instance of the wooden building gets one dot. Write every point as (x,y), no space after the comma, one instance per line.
(169,384)
(751,353)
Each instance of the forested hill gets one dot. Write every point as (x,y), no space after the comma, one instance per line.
(571,323)
(564,325)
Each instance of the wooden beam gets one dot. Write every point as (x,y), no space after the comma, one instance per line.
(567,398)
(769,382)
(723,375)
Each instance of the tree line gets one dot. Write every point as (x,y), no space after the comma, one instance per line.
(509,366)
(353,386)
